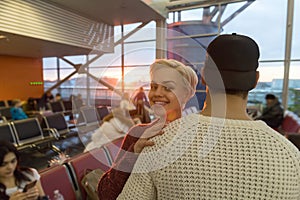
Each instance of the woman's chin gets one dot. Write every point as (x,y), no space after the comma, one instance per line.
(9,174)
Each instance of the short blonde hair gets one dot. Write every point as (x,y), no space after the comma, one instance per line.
(15,102)
(189,75)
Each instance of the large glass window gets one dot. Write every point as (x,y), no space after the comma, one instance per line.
(263,20)
(91,83)
(268,82)
(140,53)
(50,63)
(294,87)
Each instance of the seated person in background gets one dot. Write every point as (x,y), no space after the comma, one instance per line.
(114,126)
(172,85)
(125,103)
(273,112)
(58,97)
(129,108)
(17,111)
(77,101)
(32,104)
(45,99)
(13,177)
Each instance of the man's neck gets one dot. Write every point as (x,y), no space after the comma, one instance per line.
(225,106)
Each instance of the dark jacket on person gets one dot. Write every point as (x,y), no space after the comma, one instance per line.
(273,114)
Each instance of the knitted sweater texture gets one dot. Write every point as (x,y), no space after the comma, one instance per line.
(200,157)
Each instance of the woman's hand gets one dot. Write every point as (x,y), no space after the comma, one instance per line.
(152,130)
(18,195)
(144,142)
(31,194)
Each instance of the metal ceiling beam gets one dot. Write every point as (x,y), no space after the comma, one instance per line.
(190,4)
(233,15)
(82,68)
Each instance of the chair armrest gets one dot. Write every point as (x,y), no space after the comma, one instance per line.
(52,131)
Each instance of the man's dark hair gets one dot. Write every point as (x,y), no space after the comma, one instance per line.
(270,96)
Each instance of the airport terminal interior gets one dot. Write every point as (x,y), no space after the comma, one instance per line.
(68,63)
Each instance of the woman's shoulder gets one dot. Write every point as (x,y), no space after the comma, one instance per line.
(31,173)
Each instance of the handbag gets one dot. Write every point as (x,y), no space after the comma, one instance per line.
(90,182)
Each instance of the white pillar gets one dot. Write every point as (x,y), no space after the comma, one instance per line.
(161,45)
(287,57)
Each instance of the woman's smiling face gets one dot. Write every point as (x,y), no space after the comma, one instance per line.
(168,90)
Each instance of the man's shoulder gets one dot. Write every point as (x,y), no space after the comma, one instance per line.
(176,130)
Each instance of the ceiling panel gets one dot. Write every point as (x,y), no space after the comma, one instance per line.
(16,45)
(113,12)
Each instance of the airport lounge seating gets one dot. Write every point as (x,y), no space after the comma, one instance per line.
(290,127)
(96,158)
(29,134)
(68,176)
(58,178)
(58,123)
(7,133)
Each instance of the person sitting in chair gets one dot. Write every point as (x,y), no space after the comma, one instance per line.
(273,112)
(17,111)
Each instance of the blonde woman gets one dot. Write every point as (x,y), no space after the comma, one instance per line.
(172,85)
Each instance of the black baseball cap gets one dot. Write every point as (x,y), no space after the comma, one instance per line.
(233,59)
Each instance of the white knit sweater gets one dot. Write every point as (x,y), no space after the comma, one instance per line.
(200,157)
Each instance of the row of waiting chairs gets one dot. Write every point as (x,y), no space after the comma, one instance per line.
(5,103)
(5,113)
(26,133)
(67,177)
(60,106)
(69,106)
(64,107)
(90,118)
(30,132)
(59,125)
(86,114)
(90,115)
(290,128)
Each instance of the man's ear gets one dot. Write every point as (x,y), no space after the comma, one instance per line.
(202,77)
(257,77)
(203,81)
